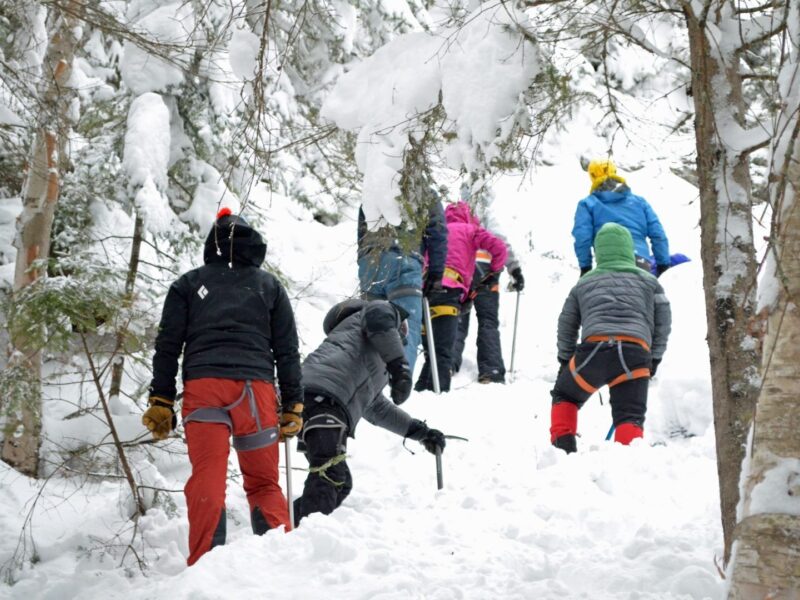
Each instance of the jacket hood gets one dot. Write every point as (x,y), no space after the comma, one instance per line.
(614,245)
(459,212)
(613,249)
(340,312)
(612,191)
(233,240)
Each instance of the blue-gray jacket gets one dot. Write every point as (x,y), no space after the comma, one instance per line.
(616,298)
(350,365)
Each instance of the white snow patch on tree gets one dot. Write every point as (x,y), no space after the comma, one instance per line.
(147,141)
(146,159)
(142,71)
(779,490)
(479,71)
(210,195)
(243,53)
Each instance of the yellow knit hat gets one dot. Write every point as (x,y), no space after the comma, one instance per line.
(601,169)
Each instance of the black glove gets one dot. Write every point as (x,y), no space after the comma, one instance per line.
(585,270)
(660,270)
(654,367)
(519,281)
(433,282)
(432,439)
(399,379)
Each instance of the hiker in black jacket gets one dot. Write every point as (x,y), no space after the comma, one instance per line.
(344,380)
(235,327)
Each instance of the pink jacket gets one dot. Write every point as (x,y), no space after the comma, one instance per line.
(465,237)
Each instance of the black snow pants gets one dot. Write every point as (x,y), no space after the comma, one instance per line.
(486,302)
(445,308)
(325,437)
(622,365)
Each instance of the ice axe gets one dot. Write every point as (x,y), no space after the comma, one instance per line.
(426,309)
(287,447)
(514,340)
(439,476)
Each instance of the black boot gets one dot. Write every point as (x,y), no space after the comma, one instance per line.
(566,443)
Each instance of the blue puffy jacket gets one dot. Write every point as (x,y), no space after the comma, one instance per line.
(433,241)
(627,209)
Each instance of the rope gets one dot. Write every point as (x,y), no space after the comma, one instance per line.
(320,470)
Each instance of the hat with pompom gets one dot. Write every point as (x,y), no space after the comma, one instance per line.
(233,240)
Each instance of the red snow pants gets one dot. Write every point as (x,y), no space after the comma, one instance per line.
(209,446)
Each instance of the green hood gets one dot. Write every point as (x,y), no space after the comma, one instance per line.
(613,250)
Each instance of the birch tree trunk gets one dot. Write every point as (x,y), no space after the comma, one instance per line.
(40,195)
(728,256)
(766,553)
(766,562)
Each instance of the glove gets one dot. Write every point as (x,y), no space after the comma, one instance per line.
(660,270)
(654,367)
(432,439)
(585,270)
(160,417)
(399,379)
(291,419)
(433,282)
(519,281)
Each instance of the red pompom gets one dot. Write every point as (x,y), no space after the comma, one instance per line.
(223,212)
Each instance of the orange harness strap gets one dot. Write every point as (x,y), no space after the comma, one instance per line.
(635,374)
(584,385)
(618,338)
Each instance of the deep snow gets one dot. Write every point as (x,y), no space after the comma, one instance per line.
(516,518)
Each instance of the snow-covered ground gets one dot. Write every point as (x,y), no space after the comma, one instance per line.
(516,519)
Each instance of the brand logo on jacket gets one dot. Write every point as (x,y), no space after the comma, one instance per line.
(202,292)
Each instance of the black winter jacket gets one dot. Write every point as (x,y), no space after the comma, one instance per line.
(349,367)
(230,319)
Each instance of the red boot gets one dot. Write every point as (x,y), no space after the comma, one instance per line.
(564,426)
(625,433)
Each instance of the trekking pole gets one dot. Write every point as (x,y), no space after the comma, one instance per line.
(514,339)
(287,447)
(439,477)
(426,309)
(610,432)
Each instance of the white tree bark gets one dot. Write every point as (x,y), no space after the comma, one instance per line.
(729,265)
(40,195)
(766,553)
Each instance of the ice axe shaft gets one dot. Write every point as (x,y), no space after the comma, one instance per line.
(426,309)
(288,452)
(439,477)
(514,339)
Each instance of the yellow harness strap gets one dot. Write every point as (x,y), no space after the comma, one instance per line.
(453,274)
(443,310)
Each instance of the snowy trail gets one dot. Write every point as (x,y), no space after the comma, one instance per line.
(516,519)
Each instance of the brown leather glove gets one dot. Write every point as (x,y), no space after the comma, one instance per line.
(291,420)
(160,418)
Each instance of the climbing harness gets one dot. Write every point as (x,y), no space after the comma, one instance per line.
(261,438)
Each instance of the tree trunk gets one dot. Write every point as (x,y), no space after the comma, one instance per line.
(118,364)
(766,554)
(728,257)
(40,195)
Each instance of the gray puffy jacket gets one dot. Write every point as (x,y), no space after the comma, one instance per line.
(616,298)
(350,365)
